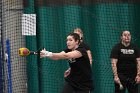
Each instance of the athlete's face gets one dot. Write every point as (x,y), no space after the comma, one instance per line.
(71,43)
(126,37)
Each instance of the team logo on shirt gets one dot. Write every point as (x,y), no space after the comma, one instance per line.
(72,60)
(127,51)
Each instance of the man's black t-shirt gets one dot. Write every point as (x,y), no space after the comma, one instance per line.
(81,73)
(126,58)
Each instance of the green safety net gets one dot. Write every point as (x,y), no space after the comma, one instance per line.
(101,22)
(32,61)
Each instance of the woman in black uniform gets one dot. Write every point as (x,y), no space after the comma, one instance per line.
(80,78)
(125,58)
(82,44)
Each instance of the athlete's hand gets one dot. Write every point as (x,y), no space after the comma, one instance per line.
(137,79)
(44,53)
(116,79)
(67,72)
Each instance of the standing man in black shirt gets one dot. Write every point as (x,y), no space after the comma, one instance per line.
(125,59)
(80,78)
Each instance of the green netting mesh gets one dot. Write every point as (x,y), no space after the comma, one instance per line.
(32,61)
(102,24)
(101,21)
